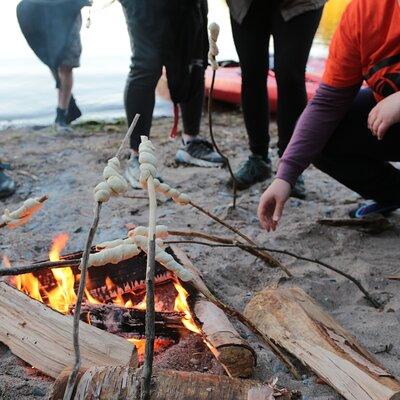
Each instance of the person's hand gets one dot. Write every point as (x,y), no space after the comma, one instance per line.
(385,114)
(272,202)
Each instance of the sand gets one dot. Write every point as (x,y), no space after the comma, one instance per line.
(67,168)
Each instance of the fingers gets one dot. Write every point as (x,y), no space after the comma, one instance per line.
(372,117)
(265,211)
(278,212)
(381,130)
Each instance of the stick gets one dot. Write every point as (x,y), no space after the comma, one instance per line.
(82,283)
(127,136)
(210,124)
(273,262)
(224,243)
(23,269)
(150,301)
(41,200)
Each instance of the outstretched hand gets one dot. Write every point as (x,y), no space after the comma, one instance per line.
(272,203)
(385,114)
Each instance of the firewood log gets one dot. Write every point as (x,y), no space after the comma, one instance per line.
(105,383)
(295,322)
(231,350)
(43,337)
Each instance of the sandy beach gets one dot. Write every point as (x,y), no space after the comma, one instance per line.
(67,168)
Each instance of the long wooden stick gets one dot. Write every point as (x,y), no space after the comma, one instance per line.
(24,269)
(82,284)
(230,243)
(273,262)
(41,200)
(150,292)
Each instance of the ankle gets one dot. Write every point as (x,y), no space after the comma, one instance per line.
(187,138)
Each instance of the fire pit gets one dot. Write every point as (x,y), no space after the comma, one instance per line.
(115,303)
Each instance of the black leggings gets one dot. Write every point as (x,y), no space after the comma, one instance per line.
(358,160)
(147,22)
(292,44)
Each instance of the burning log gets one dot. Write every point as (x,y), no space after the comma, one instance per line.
(120,320)
(295,322)
(43,337)
(104,383)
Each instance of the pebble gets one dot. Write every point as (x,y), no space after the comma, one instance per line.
(37,391)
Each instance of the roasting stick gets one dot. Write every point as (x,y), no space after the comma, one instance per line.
(212,54)
(22,215)
(147,176)
(114,184)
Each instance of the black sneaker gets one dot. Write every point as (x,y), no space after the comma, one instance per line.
(61,124)
(7,185)
(254,169)
(299,189)
(200,152)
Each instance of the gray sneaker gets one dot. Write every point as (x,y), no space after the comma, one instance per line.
(132,172)
(254,169)
(60,124)
(200,152)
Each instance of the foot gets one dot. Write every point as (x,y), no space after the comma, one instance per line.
(132,172)
(61,126)
(299,190)
(200,152)
(254,169)
(374,208)
(7,185)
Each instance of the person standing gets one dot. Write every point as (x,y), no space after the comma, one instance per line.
(292,24)
(170,34)
(52,30)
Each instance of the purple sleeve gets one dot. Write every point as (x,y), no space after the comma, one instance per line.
(315,126)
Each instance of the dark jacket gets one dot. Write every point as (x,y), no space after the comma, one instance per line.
(289,8)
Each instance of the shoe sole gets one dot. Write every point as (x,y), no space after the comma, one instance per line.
(186,159)
(63,131)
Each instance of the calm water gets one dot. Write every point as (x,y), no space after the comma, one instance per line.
(27,94)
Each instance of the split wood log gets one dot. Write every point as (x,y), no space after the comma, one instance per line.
(43,337)
(105,383)
(294,321)
(230,349)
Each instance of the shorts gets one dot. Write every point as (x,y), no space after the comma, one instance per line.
(73,48)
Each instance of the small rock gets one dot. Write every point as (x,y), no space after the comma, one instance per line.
(37,391)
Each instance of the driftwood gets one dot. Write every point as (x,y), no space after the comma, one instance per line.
(371,224)
(295,322)
(230,349)
(105,383)
(43,337)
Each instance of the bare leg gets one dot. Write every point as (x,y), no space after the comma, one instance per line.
(66,82)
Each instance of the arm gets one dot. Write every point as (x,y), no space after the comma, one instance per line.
(313,130)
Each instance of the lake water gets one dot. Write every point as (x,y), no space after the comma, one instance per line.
(27,93)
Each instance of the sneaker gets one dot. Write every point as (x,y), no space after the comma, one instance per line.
(373,208)
(7,185)
(200,152)
(60,124)
(299,189)
(254,169)
(132,172)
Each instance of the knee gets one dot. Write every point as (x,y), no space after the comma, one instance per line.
(144,73)
(290,76)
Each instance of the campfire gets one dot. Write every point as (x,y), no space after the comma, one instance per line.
(115,301)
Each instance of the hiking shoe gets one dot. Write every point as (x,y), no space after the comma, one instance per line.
(254,169)
(60,124)
(299,189)
(200,152)
(374,208)
(132,172)
(7,185)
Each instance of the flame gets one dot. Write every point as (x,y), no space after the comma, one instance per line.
(63,296)
(181,305)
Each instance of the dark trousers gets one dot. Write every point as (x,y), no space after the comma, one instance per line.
(355,158)
(147,22)
(292,44)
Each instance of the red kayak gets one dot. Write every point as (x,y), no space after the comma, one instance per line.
(228,82)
